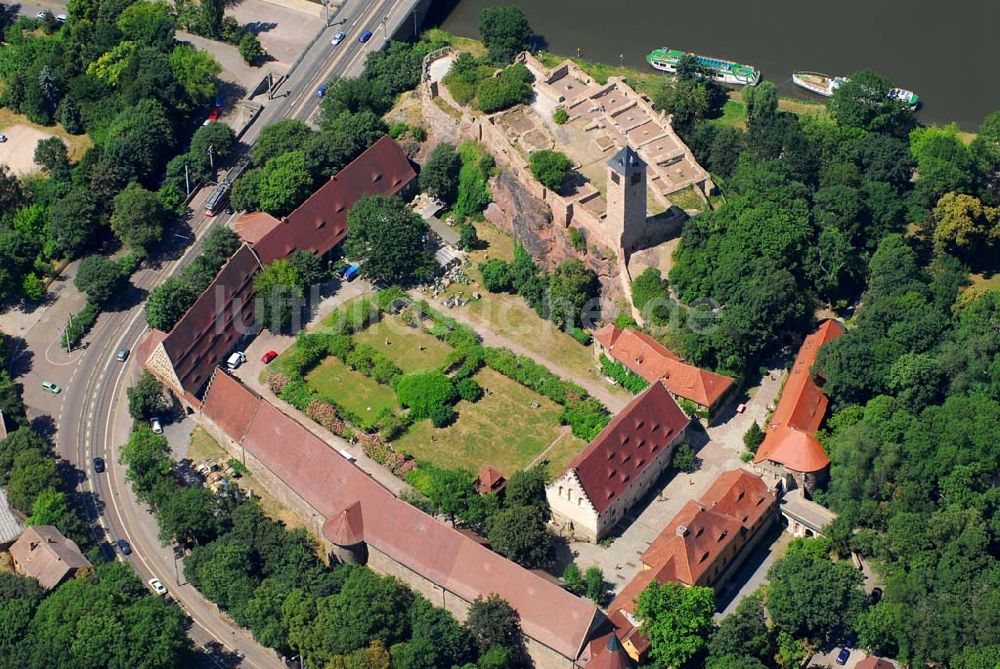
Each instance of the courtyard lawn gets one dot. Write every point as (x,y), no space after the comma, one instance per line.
(405,345)
(355,392)
(509,315)
(501,430)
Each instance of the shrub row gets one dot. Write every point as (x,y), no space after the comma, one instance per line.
(624,376)
(80,325)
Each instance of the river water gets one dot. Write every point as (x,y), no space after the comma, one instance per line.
(947,52)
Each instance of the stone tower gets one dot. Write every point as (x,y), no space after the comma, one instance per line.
(626,215)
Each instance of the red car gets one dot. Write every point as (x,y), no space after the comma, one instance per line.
(268,357)
(213,116)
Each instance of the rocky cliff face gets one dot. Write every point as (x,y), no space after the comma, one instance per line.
(528,219)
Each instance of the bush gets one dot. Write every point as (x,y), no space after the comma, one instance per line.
(497,276)
(753,437)
(421,392)
(551,168)
(509,88)
(469,390)
(585,416)
(684,459)
(78,328)
(573,579)
(622,375)
(560,116)
(581,335)
(442,415)
(385,370)
(578,239)
(392,299)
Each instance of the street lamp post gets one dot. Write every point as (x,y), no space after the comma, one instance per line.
(385,34)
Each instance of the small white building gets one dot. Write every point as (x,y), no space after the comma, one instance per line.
(619,466)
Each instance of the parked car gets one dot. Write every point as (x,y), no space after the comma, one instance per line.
(3,138)
(124,547)
(350,272)
(51,387)
(268,357)
(875,597)
(235,360)
(157,586)
(43,14)
(321,91)
(99,465)
(843,655)
(338,38)
(61,18)
(365,36)
(218,102)
(229,209)
(122,355)
(213,116)
(156,426)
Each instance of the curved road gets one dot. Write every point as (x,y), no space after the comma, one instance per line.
(94,421)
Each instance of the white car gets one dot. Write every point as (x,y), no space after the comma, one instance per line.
(157,586)
(43,14)
(3,138)
(156,425)
(61,18)
(338,38)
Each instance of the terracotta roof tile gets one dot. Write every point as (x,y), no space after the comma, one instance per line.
(211,328)
(797,450)
(629,444)
(874,663)
(330,484)
(347,528)
(230,404)
(652,360)
(489,480)
(44,554)
(254,225)
(320,223)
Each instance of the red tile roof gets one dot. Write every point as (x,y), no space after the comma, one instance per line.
(607,653)
(652,360)
(44,554)
(212,327)
(320,222)
(148,345)
(874,663)
(254,225)
(802,403)
(789,440)
(332,485)
(690,545)
(489,480)
(230,404)
(347,528)
(629,444)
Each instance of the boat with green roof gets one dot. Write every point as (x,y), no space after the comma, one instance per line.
(724,71)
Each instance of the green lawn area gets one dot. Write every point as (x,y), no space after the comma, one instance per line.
(405,344)
(510,315)
(355,392)
(734,114)
(501,430)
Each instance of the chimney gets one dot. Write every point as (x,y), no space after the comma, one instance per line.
(33,545)
(682,530)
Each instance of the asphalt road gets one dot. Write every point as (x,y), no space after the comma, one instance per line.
(93,419)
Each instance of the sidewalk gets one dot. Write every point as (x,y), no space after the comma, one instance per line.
(490,338)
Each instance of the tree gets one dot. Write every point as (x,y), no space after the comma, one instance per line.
(519,533)
(963,225)
(138,217)
(244,195)
(439,176)
(511,87)
(210,144)
(505,32)
(496,275)
(250,49)
(573,579)
(368,607)
(279,138)
(188,514)
(280,293)
(676,619)
(753,437)
(571,286)
(744,633)
(147,457)
(71,226)
(22,440)
(423,391)
(865,101)
(526,487)
(387,238)
(151,23)
(17,254)
(596,586)
(442,641)
(492,622)
(19,596)
(196,71)
(137,144)
(284,183)
(551,168)
(34,472)
(813,597)
(687,102)
(49,508)
(145,399)
(51,156)
(100,278)
(168,302)
(308,268)
(944,163)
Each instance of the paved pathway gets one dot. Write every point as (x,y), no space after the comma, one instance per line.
(596,389)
